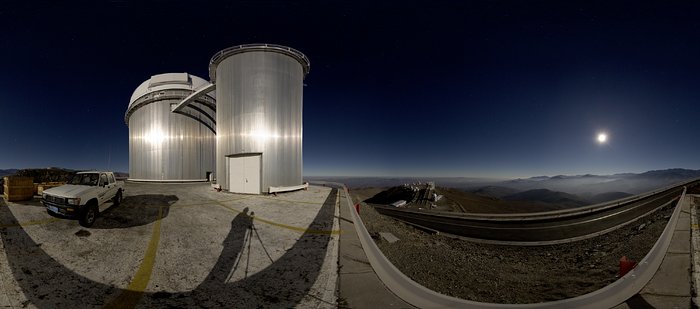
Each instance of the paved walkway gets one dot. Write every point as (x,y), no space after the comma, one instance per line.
(671,286)
(359,286)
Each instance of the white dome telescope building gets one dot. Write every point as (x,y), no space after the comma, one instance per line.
(167,146)
(249,132)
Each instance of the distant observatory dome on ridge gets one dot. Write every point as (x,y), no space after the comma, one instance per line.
(171,146)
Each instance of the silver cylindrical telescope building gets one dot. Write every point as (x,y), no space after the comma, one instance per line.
(259,117)
(166,146)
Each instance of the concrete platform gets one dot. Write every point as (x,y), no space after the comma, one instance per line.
(175,245)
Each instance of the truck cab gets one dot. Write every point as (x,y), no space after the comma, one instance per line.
(81,197)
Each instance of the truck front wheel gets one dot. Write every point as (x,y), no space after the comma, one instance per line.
(89,215)
(117,198)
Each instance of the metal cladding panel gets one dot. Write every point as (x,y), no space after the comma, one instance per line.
(259,110)
(167,146)
(168,81)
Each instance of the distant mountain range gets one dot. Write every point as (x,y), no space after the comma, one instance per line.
(547,196)
(40,173)
(608,196)
(8,172)
(386,182)
(495,191)
(559,190)
(590,185)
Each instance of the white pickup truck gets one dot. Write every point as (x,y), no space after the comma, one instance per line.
(81,197)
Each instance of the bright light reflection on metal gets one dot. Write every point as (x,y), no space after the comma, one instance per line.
(155,137)
(261,135)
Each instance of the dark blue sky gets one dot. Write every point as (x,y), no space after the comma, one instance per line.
(433,88)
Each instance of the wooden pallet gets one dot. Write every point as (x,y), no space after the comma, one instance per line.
(18,193)
(12,181)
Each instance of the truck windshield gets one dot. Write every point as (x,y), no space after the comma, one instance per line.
(84,179)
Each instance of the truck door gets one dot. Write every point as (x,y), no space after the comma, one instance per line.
(106,188)
(112,185)
(102,190)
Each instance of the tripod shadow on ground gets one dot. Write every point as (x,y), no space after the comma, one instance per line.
(48,284)
(283,284)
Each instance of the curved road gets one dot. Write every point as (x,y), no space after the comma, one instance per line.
(535,228)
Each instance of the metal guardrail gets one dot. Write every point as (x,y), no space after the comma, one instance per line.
(422,297)
(535,231)
(556,214)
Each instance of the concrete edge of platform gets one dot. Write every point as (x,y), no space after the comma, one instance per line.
(672,284)
(358,284)
(695,249)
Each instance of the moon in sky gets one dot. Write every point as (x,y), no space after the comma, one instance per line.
(602,138)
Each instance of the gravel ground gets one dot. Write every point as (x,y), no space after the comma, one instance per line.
(510,274)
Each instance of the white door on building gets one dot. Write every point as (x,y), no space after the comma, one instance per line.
(244,174)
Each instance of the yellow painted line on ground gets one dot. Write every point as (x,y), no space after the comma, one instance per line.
(289,201)
(274,198)
(176,205)
(212,202)
(31,222)
(192,205)
(695,226)
(134,291)
(289,227)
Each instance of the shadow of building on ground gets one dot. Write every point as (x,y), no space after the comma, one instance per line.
(45,282)
(135,210)
(48,284)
